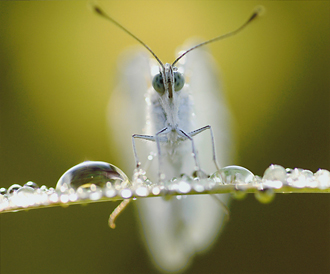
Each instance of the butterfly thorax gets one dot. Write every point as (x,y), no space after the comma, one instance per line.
(170,99)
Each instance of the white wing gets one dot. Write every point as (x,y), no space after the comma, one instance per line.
(177,229)
(127,106)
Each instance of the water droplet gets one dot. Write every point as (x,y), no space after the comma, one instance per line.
(95,192)
(89,173)
(26,190)
(288,170)
(42,197)
(110,191)
(13,188)
(24,197)
(54,198)
(162,177)
(296,178)
(323,178)
(233,175)
(156,190)
(142,191)
(197,186)
(64,198)
(4,202)
(44,188)
(265,195)
(3,191)
(73,196)
(32,185)
(184,186)
(51,190)
(239,194)
(82,193)
(126,193)
(275,173)
(309,178)
(300,178)
(140,178)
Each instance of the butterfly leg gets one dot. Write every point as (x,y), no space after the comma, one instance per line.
(184,134)
(156,139)
(163,131)
(139,136)
(123,204)
(117,211)
(197,131)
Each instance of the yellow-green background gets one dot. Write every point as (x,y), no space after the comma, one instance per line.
(58,67)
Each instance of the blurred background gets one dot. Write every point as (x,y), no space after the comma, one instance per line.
(57,70)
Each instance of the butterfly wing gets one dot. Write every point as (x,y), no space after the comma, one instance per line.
(126,113)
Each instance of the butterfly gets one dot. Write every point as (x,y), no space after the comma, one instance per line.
(170,107)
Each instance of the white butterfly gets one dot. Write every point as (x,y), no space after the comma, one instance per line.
(155,104)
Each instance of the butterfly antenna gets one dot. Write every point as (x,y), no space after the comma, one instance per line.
(254,15)
(99,11)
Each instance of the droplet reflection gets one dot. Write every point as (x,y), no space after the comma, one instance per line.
(265,195)
(92,175)
(233,175)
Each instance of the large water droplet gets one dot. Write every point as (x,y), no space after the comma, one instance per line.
(89,175)
(275,173)
(234,175)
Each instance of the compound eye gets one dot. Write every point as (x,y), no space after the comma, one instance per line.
(178,81)
(158,83)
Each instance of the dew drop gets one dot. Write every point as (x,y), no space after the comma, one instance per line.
(265,195)
(88,174)
(109,191)
(3,191)
(309,178)
(54,198)
(140,178)
(95,192)
(13,188)
(25,196)
(322,176)
(184,186)
(142,191)
(43,188)
(126,193)
(26,190)
(275,173)
(297,178)
(239,194)
(233,175)
(32,185)
(156,190)
(73,196)
(64,198)
(198,186)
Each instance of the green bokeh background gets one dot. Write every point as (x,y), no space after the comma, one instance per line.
(57,70)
